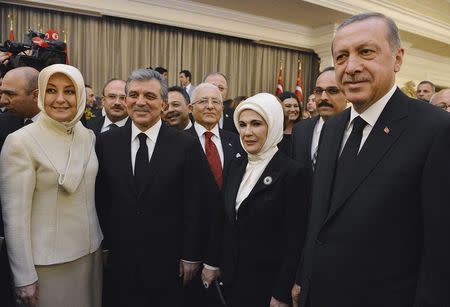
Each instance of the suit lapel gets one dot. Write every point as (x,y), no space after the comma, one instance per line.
(384,134)
(233,183)
(268,177)
(124,152)
(310,133)
(227,148)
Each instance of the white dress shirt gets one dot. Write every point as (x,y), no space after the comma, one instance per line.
(370,116)
(108,122)
(152,135)
(215,138)
(316,136)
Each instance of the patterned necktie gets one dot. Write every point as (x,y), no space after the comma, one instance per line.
(141,163)
(212,154)
(346,163)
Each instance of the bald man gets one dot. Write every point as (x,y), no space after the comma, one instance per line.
(442,99)
(18,93)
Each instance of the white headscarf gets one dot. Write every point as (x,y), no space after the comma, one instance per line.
(270,109)
(80,141)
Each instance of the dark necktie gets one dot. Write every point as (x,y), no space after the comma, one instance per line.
(346,163)
(27,122)
(212,154)
(141,163)
(112,126)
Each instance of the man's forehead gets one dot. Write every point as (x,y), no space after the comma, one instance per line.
(115,86)
(144,85)
(326,79)
(359,33)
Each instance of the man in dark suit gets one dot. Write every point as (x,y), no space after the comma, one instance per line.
(221,81)
(379,225)
(305,136)
(19,94)
(149,200)
(220,147)
(114,105)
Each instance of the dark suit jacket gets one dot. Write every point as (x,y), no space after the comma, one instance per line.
(96,124)
(228,123)
(302,136)
(8,124)
(262,241)
(231,144)
(383,241)
(152,231)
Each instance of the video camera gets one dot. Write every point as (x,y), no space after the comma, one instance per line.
(38,50)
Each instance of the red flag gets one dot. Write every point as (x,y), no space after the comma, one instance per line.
(280,82)
(298,87)
(67,50)
(11,28)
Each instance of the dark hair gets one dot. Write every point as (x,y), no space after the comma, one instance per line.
(393,34)
(182,91)
(108,82)
(160,69)
(187,73)
(144,74)
(428,82)
(286,95)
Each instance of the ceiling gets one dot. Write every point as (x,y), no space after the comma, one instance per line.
(306,14)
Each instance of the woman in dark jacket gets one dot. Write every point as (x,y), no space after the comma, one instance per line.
(265,215)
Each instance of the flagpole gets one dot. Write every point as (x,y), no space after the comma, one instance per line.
(11,27)
(67,49)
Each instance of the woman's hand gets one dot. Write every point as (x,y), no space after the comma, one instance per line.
(28,295)
(276,303)
(208,276)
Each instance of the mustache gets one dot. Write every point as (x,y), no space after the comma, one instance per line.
(354,78)
(141,109)
(324,103)
(173,114)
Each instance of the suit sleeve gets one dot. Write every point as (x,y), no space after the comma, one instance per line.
(195,196)
(295,203)
(17,184)
(434,280)
(102,197)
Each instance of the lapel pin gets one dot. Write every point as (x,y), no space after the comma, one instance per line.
(238,155)
(229,144)
(267,180)
(386,130)
(226,115)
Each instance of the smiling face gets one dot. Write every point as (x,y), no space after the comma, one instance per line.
(364,62)
(177,112)
(144,103)
(60,102)
(291,109)
(207,107)
(253,131)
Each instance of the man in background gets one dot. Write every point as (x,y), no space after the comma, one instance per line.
(425,89)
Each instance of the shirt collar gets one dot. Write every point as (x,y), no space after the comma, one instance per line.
(119,123)
(152,132)
(373,112)
(189,125)
(35,118)
(201,130)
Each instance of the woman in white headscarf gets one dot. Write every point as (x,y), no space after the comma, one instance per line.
(47,181)
(265,211)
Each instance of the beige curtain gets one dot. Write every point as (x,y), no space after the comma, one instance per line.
(107,47)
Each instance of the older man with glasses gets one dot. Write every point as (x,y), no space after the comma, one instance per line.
(114,105)
(329,101)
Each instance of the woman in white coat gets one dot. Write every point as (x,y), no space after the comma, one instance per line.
(47,182)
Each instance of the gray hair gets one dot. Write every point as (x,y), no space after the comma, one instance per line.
(202,86)
(393,34)
(144,74)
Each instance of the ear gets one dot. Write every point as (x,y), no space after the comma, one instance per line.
(35,95)
(164,105)
(398,59)
(191,108)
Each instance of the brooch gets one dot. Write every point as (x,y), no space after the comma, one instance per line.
(267,180)
(238,155)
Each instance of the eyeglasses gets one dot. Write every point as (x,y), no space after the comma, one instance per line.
(331,90)
(205,102)
(114,97)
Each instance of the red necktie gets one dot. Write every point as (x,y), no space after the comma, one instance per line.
(212,154)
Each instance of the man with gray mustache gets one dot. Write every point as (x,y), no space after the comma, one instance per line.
(329,101)
(379,224)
